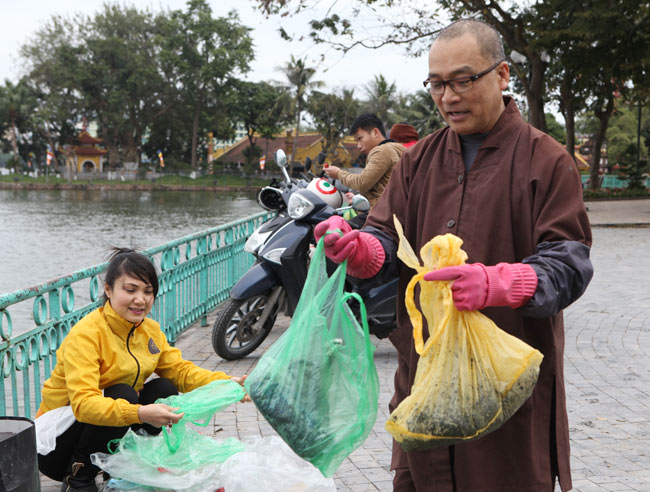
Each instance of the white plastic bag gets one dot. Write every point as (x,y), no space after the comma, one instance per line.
(270,465)
(51,425)
(267,464)
(131,468)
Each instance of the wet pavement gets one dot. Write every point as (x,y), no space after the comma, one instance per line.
(607,369)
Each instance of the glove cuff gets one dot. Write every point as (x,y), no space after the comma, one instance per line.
(368,258)
(510,284)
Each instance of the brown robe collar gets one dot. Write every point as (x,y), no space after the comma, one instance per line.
(499,132)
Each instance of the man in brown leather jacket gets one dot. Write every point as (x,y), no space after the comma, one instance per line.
(383,154)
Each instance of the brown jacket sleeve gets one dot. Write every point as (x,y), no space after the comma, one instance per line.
(380,160)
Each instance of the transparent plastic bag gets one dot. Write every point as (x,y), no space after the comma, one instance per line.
(269,465)
(471,376)
(114,485)
(130,467)
(195,450)
(184,459)
(198,407)
(317,385)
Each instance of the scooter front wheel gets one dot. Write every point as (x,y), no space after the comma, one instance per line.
(235,334)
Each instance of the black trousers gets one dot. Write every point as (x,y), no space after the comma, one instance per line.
(81,440)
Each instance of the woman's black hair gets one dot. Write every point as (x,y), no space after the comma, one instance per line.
(126,261)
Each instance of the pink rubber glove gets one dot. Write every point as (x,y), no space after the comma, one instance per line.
(335,223)
(476,286)
(364,252)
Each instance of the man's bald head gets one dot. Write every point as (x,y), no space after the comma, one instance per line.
(486,36)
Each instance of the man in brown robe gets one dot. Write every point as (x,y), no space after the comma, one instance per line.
(513,195)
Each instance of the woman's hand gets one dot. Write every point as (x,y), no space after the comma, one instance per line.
(241,380)
(159,414)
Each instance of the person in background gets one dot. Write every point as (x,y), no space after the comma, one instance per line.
(513,195)
(382,155)
(405,134)
(102,369)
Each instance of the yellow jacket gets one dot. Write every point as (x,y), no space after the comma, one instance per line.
(104,349)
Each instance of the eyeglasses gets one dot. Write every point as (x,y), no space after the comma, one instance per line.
(461,84)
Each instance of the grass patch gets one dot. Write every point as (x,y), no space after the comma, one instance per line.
(18,178)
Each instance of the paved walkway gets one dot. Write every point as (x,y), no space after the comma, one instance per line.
(607,370)
(619,213)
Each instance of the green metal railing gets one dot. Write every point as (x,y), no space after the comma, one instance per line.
(196,275)
(614,181)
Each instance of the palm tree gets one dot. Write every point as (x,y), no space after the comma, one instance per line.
(300,80)
(381,99)
(419,110)
(333,114)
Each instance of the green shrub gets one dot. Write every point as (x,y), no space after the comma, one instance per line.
(615,193)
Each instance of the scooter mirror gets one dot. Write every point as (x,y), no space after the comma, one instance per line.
(307,163)
(280,158)
(360,203)
(321,157)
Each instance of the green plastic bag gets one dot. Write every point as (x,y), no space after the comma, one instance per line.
(199,406)
(317,385)
(183,448)
(195,451)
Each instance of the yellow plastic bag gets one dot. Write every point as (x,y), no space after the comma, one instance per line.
(471,376)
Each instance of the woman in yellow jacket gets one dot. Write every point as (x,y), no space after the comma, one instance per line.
(101,369)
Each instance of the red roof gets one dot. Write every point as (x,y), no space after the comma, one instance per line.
(85,138)
(269,146)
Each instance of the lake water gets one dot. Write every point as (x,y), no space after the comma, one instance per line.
(48,233)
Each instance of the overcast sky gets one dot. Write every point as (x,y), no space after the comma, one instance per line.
(21,19)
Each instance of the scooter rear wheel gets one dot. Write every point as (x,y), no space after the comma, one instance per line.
(233,334)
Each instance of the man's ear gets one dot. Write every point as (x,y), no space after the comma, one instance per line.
(377,134)
(503,71)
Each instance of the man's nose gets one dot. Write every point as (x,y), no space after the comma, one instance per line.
(448,94)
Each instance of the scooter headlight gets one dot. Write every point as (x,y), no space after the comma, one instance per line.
(299,206)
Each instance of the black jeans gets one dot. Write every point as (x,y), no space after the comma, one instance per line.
(81,440)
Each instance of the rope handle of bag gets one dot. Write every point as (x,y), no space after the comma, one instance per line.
(364,316)
(357,297)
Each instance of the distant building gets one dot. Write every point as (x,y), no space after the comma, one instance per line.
(307,145)
(240,133)
(583,153)
(86,156)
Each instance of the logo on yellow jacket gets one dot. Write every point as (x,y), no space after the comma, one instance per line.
(153,348)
